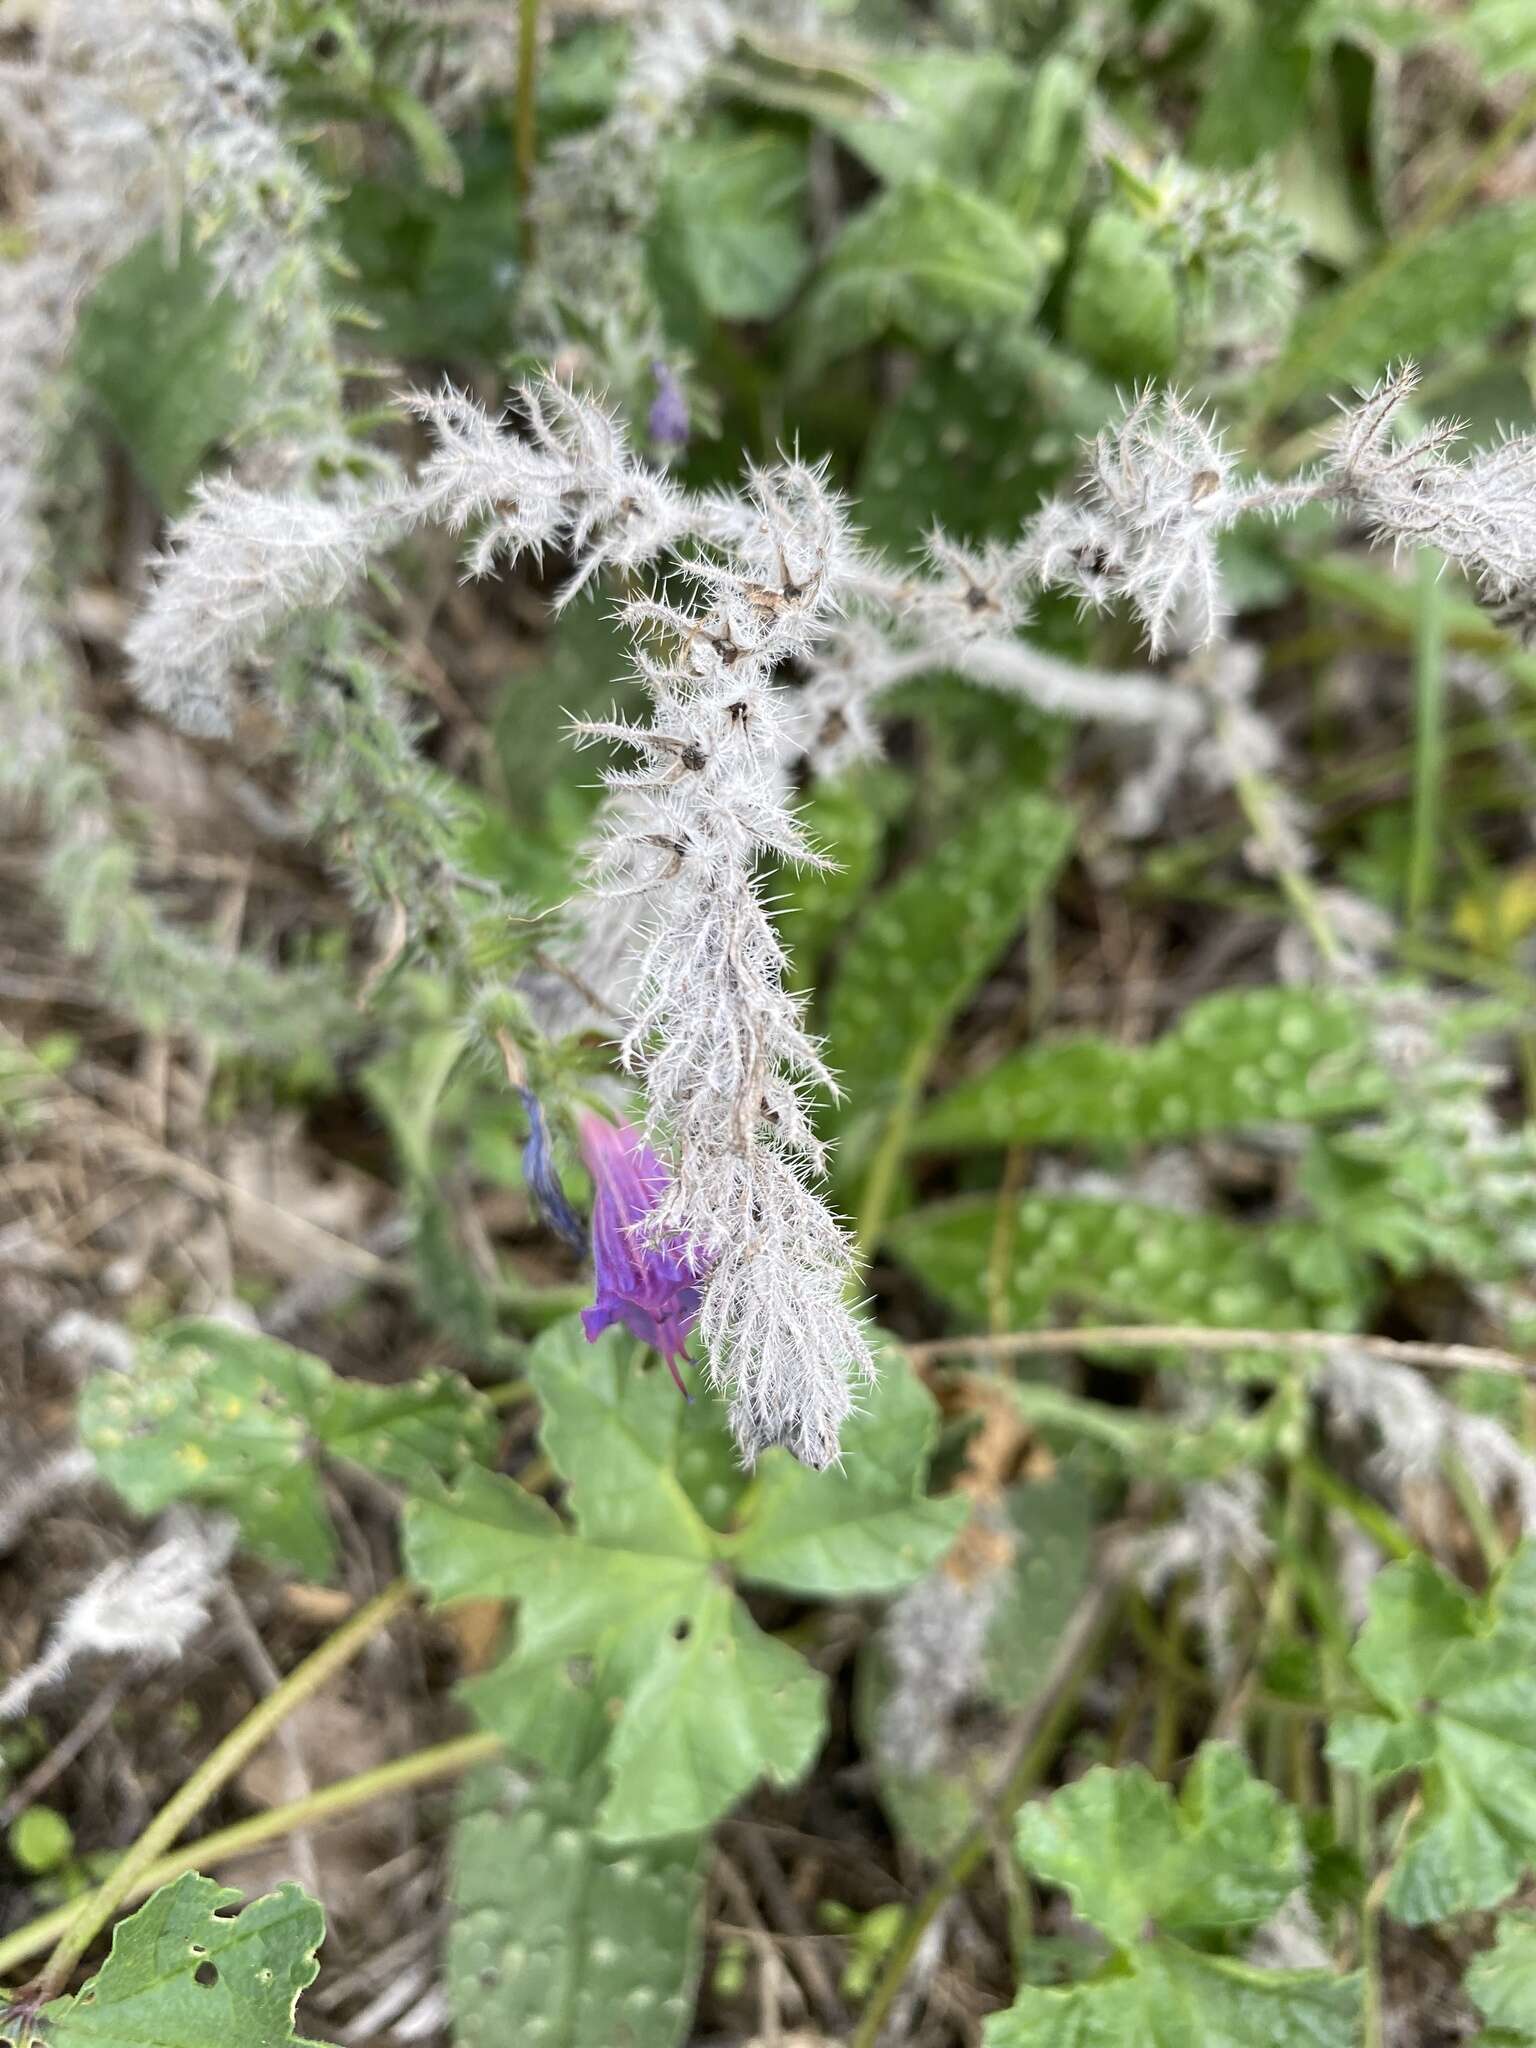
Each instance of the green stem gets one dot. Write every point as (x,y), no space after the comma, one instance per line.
(244,1837)
(526,139)
(1259,798)
(880,1180)
(1088,1639)
(1429,738)
(93,1912)
(1294,372)
(1383,1529)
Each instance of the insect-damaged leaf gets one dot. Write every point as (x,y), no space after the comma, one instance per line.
(183,1973)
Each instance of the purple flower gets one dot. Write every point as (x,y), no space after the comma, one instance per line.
(653,1290)
(543,1181)
(668,420)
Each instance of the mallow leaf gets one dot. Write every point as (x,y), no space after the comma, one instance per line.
(232,1419)
(1502,1981)
(866,1526)
(632,1653)
(1226,1854)
(1171,1997)
(182,1973)
(1456,1678)
(559,1936)
(1167,1882)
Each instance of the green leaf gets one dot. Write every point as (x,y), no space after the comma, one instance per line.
(632,1649)
(1042,164)
(929,261)
(976,439)
(718,1706)
(1502,1981)
(731,219)
(556,1935)
(182,1973)
(1227,1854)
(930,940)
(1453,288)
(1245,1058)
(232,1419)
(614,1431)
(866,1526)
(438,270)
(1172,1997)
(952,112)
(1122,310)
(1257,96)
(162,350)
(1124,1260)
(846,820)
(1158,1877)
(1454,1675)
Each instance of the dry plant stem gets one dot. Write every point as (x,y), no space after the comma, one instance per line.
(1086,1638)
(245,1837)
(266,1678)
(264,1719)
(1197,1337)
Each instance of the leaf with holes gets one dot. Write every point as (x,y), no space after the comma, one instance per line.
(1456,1678)
(233,1420)
(558,1935)
(1247,1058)
(632,1650)
(183,1973)
(1168,1882)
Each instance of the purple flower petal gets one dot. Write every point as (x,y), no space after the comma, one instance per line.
(668,420)
(544,1182)
(653,1290)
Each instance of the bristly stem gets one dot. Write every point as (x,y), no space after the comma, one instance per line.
(526,138)
(244,1837)
(1428,739)
(97,1908)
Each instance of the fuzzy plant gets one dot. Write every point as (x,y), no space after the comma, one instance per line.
(755,587)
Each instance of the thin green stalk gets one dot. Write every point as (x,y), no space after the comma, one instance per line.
(880,1180)
(244,1837)
(526,116)
(1383,1529)
(92,1913)
(1428,739)
(1479,1518)
(1292,375)
(1087,1641)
